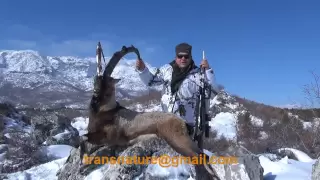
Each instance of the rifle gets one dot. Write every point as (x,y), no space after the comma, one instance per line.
(202,125)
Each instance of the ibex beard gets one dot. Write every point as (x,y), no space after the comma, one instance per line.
(113,125)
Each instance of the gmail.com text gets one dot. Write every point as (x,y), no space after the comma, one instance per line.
(163,161)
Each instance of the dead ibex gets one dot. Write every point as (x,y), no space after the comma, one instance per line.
(114,125)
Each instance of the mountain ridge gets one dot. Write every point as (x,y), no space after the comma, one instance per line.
(25,70)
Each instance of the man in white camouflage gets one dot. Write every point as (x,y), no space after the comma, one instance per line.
(181,81)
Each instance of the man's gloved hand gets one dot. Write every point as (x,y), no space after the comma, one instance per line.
(204,64)
(140,65)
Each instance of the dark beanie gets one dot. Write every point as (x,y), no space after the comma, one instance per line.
(183,48)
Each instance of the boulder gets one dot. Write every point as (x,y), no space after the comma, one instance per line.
(248,166)
(51,128)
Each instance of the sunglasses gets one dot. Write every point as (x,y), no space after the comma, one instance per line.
(181,56)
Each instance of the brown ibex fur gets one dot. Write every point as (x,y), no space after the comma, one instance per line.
(112,124)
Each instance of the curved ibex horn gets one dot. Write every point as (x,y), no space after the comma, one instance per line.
(117,57)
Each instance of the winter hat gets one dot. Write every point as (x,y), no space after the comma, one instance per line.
(183,48)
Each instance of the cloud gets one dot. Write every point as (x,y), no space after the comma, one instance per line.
(22,37)
(60,48)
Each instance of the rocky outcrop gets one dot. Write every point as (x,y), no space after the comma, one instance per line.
(316,170)
(8,110)
(53,128)
(248,167)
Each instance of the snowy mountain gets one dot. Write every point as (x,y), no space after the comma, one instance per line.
(29,78)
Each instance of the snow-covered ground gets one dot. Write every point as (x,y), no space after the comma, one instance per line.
(224,123)
(284,169)
(287,169)
(57,151)
(44,171)
(80,124)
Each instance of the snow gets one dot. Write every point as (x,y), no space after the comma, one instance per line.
(215,101)
(44,171)
(171,172)
(97,174)
(80,124)
(301,156)
(307,125)
(11,123)
(263,135)
(225,124)
(149,108)
(57,151)
(48,170)
(285,169)
(231,106)
(60,135)
(15,125)
(256,121)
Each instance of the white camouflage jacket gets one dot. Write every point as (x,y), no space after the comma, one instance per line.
(185,97)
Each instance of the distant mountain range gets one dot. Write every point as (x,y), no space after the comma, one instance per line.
(29,78)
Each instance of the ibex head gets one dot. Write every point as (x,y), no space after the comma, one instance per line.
(107,93)
(108,90)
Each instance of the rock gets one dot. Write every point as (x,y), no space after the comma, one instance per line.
(2,176)
(63,133)
(248,167)
(70,171)
(3,152)
(285,152)
(3,148)
(42,123)
(1,123)
(53,129)
(316,170)
(7,109)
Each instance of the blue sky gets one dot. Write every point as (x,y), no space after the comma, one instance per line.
(260,50)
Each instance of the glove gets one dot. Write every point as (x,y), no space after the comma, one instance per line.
(140,65)
(204,64)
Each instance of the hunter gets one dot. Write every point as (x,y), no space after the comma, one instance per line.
(181,81)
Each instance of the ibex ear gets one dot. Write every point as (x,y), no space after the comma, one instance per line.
(116,80)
